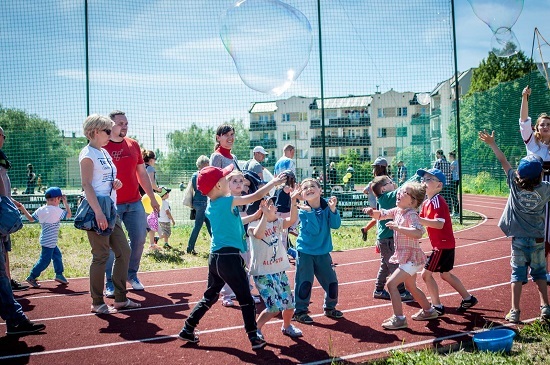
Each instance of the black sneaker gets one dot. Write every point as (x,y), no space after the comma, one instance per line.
(188,336)
(17,286)
(440,309)
(364,234)
(257,343)
(466,304)
(24,328)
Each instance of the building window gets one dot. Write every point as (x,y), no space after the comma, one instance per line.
(302,153)
(286,117)
(382,152)
(401,132)
(382,132)
(286,136)
(401,112)
(380,113)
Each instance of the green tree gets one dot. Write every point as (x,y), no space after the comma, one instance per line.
(34,140)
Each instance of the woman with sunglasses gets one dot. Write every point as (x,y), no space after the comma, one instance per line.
(537,140)
(98,175)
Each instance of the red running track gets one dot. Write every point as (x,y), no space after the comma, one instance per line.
(148,335)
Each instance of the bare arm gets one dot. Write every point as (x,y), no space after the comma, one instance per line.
(145,183)
(293,209)
(153,182)
(407,231)
(431,223)
(490,140)
(259,230)
(251,218)
(23,210)
(524,111)
(261,192)
(86,175)
(66,205)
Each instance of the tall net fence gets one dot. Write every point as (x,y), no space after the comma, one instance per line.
(376,81)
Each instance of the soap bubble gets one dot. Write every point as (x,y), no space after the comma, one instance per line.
(504,43)
(497,13)
(269,41)
(423,98)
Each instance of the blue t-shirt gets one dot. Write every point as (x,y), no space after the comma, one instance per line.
(225,222)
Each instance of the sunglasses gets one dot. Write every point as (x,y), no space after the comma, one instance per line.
(3,135)
(108,131)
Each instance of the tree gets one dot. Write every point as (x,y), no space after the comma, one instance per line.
(34,140)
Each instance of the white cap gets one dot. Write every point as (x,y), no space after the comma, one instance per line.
(259,149)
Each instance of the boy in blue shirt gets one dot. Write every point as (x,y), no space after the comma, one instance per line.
(225,264)
(314,244)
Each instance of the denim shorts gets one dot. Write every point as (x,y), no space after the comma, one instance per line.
(527,253)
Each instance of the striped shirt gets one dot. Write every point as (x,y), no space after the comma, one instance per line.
(49,217)
(407,249)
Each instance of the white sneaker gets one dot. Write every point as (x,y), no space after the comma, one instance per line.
(136,284)
(548,278)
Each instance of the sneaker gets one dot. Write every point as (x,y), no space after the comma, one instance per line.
(395,323)
(167,246)
(228,303)
(364,234)
(136,284)
(32,281)
(109,290)
(260,334)
(24,328)
(17,286)
(61,279)
(302,318)
(545,312)
(513,316)
(440,309)
(156,239)
(292,331)
(423,315)
(381,294)
(192,252)
(257,343)
(466,304)
(188,336)
(406,296)
(333,313)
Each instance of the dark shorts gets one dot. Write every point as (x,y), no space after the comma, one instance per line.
(441,260)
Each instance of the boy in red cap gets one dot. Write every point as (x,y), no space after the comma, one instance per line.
(225,264)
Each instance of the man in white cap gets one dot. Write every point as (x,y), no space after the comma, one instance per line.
(254,164)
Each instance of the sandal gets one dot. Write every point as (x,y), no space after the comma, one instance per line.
(128,304)
(228,303)
(103,309)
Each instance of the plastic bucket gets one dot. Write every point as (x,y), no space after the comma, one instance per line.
(500,339)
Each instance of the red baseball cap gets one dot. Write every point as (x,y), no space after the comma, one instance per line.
(209,177)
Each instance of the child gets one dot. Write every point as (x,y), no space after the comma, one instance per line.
(225,265)
(384,190)
(435,216)
(269,262)
(523,219)
(408,254)
(49,217)
(165,217)
(314,244)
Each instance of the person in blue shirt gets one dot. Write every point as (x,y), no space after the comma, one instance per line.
(225,264)
(314,244)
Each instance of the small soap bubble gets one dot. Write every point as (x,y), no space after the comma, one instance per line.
(504,43)
(269,41)
(497,13)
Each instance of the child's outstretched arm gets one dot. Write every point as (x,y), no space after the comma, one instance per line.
(524,111)
(376,214)
(490,140)
(294,193)
(67,207)
(260,193)
(23,210)
(431,223)
(252,217)
(259,230)
(335,220)
(407,231)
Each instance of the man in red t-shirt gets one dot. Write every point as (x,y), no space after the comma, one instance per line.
(435,216)
(126,155)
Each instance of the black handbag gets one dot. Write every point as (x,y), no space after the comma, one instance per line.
(10,217)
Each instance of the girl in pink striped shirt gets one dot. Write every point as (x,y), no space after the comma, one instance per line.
(408,254)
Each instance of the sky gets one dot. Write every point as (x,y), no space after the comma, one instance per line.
(164,63)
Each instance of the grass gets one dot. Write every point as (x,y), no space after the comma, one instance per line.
(532,345)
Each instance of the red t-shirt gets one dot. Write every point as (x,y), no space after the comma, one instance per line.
(437,208)
(126,156)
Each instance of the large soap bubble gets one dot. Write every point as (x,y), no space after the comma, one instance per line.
(497,13)
(504,43)
(423,98)
(269,41)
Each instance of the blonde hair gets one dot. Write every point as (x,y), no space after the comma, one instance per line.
(234,173)
(94,123)
(538,137)
(416,190)
(202,161)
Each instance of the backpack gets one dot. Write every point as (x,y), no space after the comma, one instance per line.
(10,217)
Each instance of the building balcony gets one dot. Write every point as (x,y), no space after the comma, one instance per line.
(258,126)
(318,160)
(436,133)
(436,112)
(419,139)
(265,143)
(342,122)
(419,119)
(340,141)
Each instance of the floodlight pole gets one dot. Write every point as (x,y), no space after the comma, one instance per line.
(322,97)
(87,59)
(457,114)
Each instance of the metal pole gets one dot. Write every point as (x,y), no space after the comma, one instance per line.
(457,114)
(322,97)
(87,60)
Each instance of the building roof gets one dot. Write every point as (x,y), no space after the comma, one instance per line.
(345,102)
(263,107)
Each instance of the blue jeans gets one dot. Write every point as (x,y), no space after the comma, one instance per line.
(10,310)
(135,222)
(46,256)
(200,218)
(527,254)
